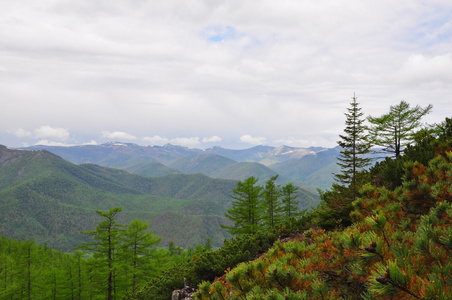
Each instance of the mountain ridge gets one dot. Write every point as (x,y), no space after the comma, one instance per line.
(178,159)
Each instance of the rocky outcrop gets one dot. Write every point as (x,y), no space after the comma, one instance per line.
(184,294)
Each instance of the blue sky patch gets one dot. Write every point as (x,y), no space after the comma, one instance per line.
(217,34)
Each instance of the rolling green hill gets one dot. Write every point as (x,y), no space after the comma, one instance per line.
(243,170)
(206,163)
(153,169)
(323,178)
(50,200)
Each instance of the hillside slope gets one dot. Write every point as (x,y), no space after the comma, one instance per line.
(50,200)
(399,247)
(152,169)
(206,163)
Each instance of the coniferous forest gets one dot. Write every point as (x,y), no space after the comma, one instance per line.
(382,231)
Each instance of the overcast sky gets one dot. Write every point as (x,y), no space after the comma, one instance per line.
(201,73)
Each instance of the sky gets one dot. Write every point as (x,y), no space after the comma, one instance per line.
(202,73)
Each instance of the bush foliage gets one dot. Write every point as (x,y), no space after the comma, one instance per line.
(398,247)
(206,265)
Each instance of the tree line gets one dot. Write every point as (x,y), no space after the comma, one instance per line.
(118,260)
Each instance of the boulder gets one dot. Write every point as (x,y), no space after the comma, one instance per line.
(184,294)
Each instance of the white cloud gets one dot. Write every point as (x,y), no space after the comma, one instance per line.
(423,69)
(52,133)
(20,132)
(118,135)
(188,142)
(92,142)
(253,140)
(46,133)
(294,142)
(183,141)
(212,139)
(52,143)
(156,140)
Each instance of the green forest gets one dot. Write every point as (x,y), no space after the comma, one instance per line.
(382,231)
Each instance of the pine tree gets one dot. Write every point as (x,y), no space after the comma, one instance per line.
(354,148)
(336,206)
(246,211)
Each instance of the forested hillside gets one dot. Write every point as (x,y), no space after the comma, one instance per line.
(50,200)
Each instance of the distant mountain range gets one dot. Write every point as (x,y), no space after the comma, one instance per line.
(50,199)
(311,168)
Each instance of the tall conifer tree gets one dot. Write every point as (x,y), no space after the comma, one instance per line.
(336,208)
(354,148)
(272,202)
(246,208)
(138,251)
(106,243)
(289,200)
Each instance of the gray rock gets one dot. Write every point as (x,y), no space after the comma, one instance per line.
(184,294)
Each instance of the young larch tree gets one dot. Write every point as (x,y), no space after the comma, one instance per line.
(395,130)
(289,201)
(107,238)
(137,251)
(246,209)
(272,203)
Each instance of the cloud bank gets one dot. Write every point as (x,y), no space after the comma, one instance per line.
(118,135)
(286,70)
(47,135)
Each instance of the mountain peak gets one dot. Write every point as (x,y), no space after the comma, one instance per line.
(214,148)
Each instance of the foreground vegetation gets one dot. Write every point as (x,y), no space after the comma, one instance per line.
(399,247)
